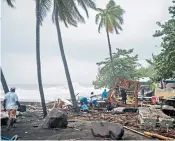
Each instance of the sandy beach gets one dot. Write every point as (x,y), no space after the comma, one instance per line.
(26,129)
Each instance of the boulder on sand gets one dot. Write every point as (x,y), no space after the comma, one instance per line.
(107,129)
(55,119)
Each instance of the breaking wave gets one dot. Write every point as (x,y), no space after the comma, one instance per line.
(52,92)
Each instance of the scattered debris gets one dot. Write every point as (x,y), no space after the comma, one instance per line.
(157,136)
(153,116)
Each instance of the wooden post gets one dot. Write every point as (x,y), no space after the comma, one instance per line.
(136,94)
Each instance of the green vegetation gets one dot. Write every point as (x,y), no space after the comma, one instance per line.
(164,63)
(125,66)
(145,71)
(111,18)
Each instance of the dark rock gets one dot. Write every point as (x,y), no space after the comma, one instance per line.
(55,119)
(4,121)
(107,129)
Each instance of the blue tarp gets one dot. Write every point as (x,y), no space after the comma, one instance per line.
(170,81)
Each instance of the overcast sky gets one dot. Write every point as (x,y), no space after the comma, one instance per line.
(84,46)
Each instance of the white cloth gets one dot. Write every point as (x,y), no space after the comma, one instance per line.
(11,99)
(93,97)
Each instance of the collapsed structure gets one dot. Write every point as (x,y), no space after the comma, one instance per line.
(152,116)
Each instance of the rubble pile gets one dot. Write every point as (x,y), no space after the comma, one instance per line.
(126,119)
(153,116)
(146,119)
(163,131)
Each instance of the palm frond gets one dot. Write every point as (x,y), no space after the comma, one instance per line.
(45,6)
(10,3)
(112,17)
(110,4)
(99,10)
(87,3)
(64,12)
(100,25)
(68,12)
(97,18)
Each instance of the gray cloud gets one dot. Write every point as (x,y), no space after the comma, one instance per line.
(84,46)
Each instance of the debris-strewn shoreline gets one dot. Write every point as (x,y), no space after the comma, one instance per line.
(78,128)
(79,125)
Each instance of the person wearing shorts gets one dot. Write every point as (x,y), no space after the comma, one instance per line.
(93,99)
(11,105)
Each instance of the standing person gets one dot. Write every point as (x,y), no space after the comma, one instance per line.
(123,94)
(104,94)
(93,99)
(11,104)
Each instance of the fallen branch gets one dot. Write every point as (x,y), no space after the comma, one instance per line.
(157,136)
(136,131)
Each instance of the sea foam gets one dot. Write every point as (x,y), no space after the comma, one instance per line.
(52,93)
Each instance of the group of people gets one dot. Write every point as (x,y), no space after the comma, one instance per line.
(11,103)
(108,96)
(85,104)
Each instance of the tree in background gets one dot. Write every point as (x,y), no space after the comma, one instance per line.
(111,18)
(67,11)
(145,71)
(164,63)
(125,66)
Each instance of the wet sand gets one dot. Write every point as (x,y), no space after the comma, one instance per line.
(76,130)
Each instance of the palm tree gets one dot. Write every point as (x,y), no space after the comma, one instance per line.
(4,83)
(67,11)
(42,6)
(111,18)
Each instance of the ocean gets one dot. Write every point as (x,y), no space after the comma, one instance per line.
(30,92)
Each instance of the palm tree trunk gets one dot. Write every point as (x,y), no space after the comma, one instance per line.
(4,83)
(71,89)
(110,52)
(38,57)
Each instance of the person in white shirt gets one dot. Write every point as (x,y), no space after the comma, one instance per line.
(93,99)
(11,104)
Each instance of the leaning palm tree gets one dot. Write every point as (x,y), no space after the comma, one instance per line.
(67,11)
(42,6)
(4,83)
(111,18)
